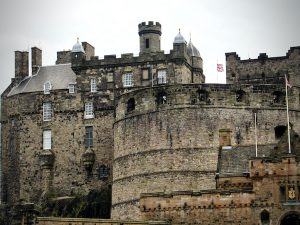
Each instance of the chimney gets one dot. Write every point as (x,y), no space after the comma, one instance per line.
(36,59)
(21,65)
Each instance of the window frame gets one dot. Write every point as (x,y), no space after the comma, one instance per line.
(47,87)
(127,80)
(71,88)
(162,76)
(47,111)
(93,85)
(47,139)
(88,138)
(88,110)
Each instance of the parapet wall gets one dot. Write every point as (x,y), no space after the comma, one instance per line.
(168,138)
(264,69)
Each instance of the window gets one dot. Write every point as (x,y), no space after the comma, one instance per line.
(88,137)
(71,88)
(278,97)
(265,217)
(88,110)
(147,43)
(93,85)
(225,137)
(161,77)
(145,74)
(127,80)
(161,98)
(47,111)
(130,105)
(240,96)
(47,139)
(103,172)
(203,95)
(279,131)
(47,87)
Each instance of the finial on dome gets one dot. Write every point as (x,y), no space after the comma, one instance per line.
(77,39)
(190,37)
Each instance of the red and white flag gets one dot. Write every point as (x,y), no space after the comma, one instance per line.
(288,84)
(220,68)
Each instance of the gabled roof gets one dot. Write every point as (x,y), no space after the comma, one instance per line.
(60,77)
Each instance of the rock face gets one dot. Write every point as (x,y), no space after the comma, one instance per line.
(138,124)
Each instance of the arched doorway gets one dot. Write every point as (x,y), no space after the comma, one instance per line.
(292,218)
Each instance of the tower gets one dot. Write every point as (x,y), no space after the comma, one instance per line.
(149,37)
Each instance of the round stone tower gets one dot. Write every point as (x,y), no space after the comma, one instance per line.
(149,37)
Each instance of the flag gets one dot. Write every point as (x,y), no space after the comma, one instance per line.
(220,68)
(288,84)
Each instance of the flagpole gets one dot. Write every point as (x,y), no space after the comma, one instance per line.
(255,135)
(287,113)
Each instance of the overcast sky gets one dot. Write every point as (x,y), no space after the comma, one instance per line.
(245,27)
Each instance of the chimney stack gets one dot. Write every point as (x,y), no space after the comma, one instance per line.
(21,65)
(36,59)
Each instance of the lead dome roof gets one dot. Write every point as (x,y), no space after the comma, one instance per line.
(192,50)
(179,39)
(77,47)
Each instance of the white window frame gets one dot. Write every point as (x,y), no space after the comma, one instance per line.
(47,139)
(47,111)
(161,77)
(71,88)
(47,87)
(128,80)
(93,85)
(88,110)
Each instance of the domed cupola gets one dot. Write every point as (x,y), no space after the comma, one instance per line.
(192,50)
(179,39)
(77,47)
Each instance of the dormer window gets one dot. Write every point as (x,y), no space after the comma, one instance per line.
(162,77)
(88,110)
(71,88)
(47,88)
(93,85)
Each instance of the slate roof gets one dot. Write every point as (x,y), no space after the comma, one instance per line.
(60,77)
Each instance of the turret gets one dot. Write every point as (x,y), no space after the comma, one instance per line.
(78,53)
(149,37)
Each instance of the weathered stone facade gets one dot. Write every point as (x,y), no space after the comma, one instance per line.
(145,124)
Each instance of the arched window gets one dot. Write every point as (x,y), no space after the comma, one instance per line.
(130,105)
(265,217)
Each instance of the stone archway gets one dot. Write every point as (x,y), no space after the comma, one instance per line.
(292,218)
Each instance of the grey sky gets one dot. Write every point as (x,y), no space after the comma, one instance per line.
(246,27)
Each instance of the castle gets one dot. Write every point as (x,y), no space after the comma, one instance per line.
(150,132)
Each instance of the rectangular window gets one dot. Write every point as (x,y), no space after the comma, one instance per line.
(147,43)
(145,74)
(46,139)
(93,85)
(47,111)
(88,137)
(71,88)
(224,137)
(47,87)
(162,77)
(127,80)
(88,110)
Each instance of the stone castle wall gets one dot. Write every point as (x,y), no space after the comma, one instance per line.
(23,119)
(174,146)
(264,69)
